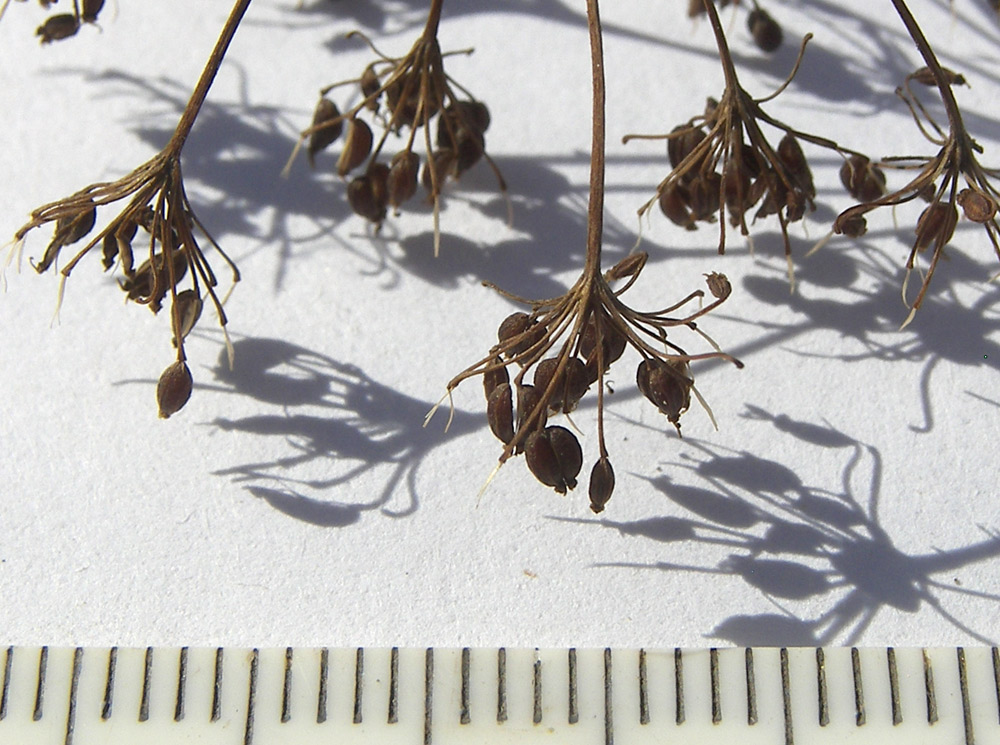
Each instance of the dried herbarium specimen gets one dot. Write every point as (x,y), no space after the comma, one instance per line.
(411,97)
(722,161)
(562,346)
(949,180)
(156,202)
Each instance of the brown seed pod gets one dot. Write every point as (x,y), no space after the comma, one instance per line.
(704,195)
(90,9)
(141,285)
(863,180)
(494,377)
(791,156)
(118,245)
(602,484)
(442,161)
(718,285)
(60,26)
(569,389)
(402,179)
(369,87)
(765,30)
(554,457)
(977,206)
(675,205)
(667,385)
(529,399)
(68,230)
(613,344)
(189,306)
(174,389)
(327,116)
(367,196)
(518,332)
(851,225)
(936,222)
(926,77)
(681,145)
(357,146)
(469,148)
(500,413)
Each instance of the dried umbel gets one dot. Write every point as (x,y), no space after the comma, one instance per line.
(152,242)
(951,179)
(722,162)
(564,347)
(414,97)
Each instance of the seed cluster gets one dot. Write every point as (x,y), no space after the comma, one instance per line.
(564,346)
(64,25)
(938,181)
(158,205)
(765,31)
(405,97)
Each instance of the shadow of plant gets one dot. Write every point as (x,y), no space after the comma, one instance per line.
(333,420)
(800,543)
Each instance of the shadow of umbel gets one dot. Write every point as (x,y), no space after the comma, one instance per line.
(331,419)
(795,542)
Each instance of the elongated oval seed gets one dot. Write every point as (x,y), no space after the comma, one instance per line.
(173,389)
(327,117)
(357,146)
(500,413)
(602,484)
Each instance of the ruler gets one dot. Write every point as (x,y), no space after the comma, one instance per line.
(301,696)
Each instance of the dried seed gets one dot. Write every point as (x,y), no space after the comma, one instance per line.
(60,26)
(188,305)
(357,146)
(442,162)
(68,230)
(494,377)
(141,284)
(977,206)
(569,389)
(627,267)
(936,225)
(173,389)
(369,87)
(554,457)
(90,10)
(718,285)
(863,180)
(667,385)
(703,194)
(852,225)
(402,180)
(500,413)
(765,30)
(791,156)
(518,332)
(529,400)
(613,344)
(674,204)
(327,116)
(367,198)
(602,484)
(926,77)
(681,145)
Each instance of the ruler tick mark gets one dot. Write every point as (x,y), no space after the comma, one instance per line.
(713,665)
(286,687)
(501,685)
(643,693)
(251,697)
(574,712)
(393,716)
(463,716)
(824,703)
(43,658)
(428,693)
(678,686)
(859,694)
(324,671)
(147,670)
(217,687)
(786,696)
(359,672)
(963,684)
(609,729)
(536,690)
(74,685)
(929,694)
(4,691)
(182,661)
(751,687)
(897,712)
(109,684)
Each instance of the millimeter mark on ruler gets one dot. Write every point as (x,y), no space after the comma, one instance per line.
(80,696)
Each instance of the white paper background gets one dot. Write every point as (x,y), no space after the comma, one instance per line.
(849,496)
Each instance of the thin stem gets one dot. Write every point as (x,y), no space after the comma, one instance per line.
(433,18)
(947,97)
(207,77)
(728,68)
(595,207)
